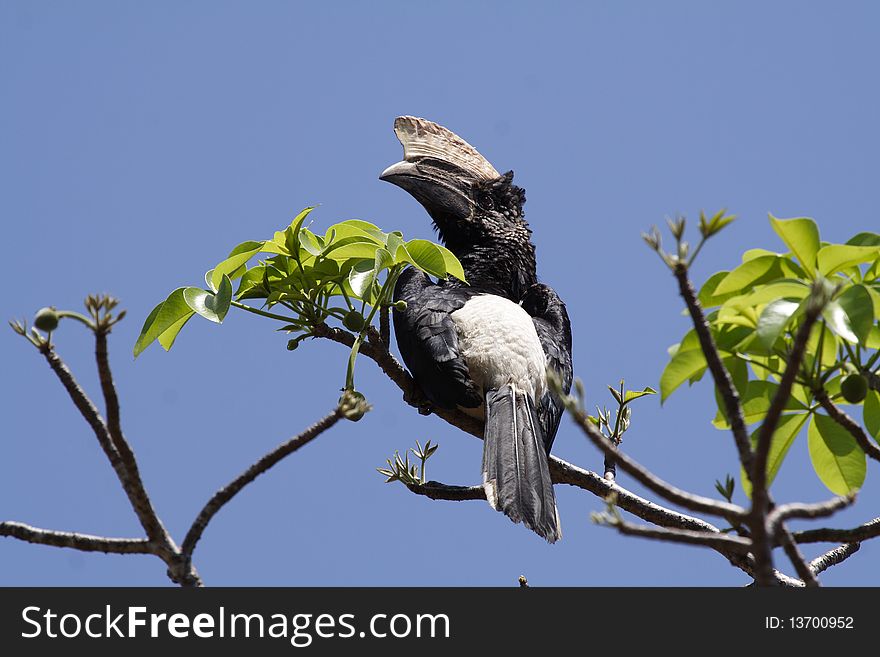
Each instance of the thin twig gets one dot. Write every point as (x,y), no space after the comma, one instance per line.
(868,446)
(76,541)
(225,494)
(834,557)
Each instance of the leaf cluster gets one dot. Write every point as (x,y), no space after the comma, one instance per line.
(754,312)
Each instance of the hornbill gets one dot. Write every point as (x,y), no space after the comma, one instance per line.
(484,346)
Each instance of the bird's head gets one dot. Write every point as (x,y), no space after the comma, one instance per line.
(462,192)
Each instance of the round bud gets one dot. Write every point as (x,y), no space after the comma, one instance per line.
(399,305)
(46,319)
(854,388)
(353,321)
(292,344)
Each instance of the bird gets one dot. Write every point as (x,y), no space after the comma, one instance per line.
(484,346)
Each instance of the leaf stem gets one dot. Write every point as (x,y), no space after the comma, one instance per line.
(257,311)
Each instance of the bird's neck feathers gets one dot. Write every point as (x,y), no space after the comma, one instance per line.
(495,246)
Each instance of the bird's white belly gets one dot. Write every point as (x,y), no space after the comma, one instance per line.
(499,343)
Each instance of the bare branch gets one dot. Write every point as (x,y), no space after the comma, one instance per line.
(834,557)
(163,544)
(76,541)
(763,530)
(732,403)
(863,532)
(225,494)
(797,559)
(437,491)
(717,541)
(801,510)
(688,500)
(135,489)
(868,446)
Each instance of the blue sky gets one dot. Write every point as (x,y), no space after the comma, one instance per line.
(139,142)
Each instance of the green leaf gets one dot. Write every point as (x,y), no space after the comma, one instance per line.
(351,250)
(163,318)
(836,257)
(756,402)
(310,242)
(393,243)
(451,263)
(683,366)
(801,236)
(707,296)
(212,307)
(362,277)
(837,459)
(364,273)
(169,335)
(773,320)
(872,414)
(858,305)
(787,430)
(783,289)
(237,258)
(426,256)
(837,319)
(751,254)
(636,394)
(873,341)
(864,239)
(745,275)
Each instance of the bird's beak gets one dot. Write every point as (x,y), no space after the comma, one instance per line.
(396,172)
(439,192)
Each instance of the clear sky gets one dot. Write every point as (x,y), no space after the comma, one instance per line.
(141,141)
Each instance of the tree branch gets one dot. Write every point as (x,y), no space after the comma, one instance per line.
(688,500)
(863,532)
(728,392)
(163,545)
(834,557)
(763,531)
(797,559)
(136,491)
(76,541)
(717,541)
(437,491)
(868,446)
(225,494)
(801,510)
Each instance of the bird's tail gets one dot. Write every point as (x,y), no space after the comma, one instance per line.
(516,476)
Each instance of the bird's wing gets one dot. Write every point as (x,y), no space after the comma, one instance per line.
(428,341)
(558,355)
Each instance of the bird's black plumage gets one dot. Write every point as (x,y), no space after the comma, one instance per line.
(554,331)
(478,214)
